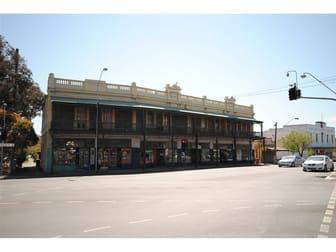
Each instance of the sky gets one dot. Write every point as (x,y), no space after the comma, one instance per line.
(246,56)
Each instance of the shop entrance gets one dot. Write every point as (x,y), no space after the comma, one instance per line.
(159,157)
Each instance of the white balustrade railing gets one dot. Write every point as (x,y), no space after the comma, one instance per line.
(173,97)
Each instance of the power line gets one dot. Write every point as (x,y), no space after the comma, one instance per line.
(331,79)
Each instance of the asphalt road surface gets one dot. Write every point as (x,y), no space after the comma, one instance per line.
(263,201)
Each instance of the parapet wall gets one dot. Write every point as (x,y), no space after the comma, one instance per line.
(170,97)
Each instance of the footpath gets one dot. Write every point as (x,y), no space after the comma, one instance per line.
(34,172)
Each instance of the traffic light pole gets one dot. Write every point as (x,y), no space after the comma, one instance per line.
(318,98)
(294,93)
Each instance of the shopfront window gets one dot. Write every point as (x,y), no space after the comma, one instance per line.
(206,155)
(226,153)
(126,156)
(70,152)
(66,155)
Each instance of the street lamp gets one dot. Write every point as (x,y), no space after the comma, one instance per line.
(97,115)
(275,135)
(295,118)
(293,71)
(304,75)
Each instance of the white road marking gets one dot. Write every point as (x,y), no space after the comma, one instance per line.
(272,205)
(304,203)
(211,211)
(242,207)
(106,201)
(324,228)
(19,194)
(42,202)
(139,221)
(331,206)
(327,219)
(8,203)
(138,201)
(177,215)
(96,229)
(238,201)
(329,212)
(74,201)
(39,191)
(272,201)
(58,236)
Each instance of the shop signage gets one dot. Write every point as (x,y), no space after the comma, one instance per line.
(7,145)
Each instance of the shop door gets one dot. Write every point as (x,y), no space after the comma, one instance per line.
(84,158)
(159,157)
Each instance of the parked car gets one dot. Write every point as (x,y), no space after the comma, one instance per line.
(291,161)
(318,163)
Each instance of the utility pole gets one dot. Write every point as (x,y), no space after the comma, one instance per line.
(275,141)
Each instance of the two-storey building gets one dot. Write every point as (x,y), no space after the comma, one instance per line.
(323,136)
(89,124)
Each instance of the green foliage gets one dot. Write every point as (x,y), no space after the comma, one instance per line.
(35,150)
(23,97)
(296,142)
(22,134)
(17,88)
(311,152)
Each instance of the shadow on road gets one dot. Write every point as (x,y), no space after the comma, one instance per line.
(34,172)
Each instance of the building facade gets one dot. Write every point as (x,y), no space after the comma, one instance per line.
(323,137)
(134,127)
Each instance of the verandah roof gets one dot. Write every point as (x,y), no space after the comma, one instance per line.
(143,105)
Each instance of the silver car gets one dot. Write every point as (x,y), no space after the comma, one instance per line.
(318,163)
(291,161)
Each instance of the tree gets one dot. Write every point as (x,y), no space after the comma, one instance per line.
(35,150)
(17,88)
(23,97)
(296,142)
(23,135)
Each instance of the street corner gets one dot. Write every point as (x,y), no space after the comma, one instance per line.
(331,176)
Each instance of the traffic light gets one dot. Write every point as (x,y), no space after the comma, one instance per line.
(294,93)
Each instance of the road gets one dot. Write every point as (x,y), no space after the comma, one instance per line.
(244,202)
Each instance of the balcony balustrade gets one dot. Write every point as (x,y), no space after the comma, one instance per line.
(59,125)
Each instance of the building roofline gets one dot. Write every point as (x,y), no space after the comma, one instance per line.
(170,96)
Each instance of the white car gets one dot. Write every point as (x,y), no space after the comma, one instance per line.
(290,161)
(318,163)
